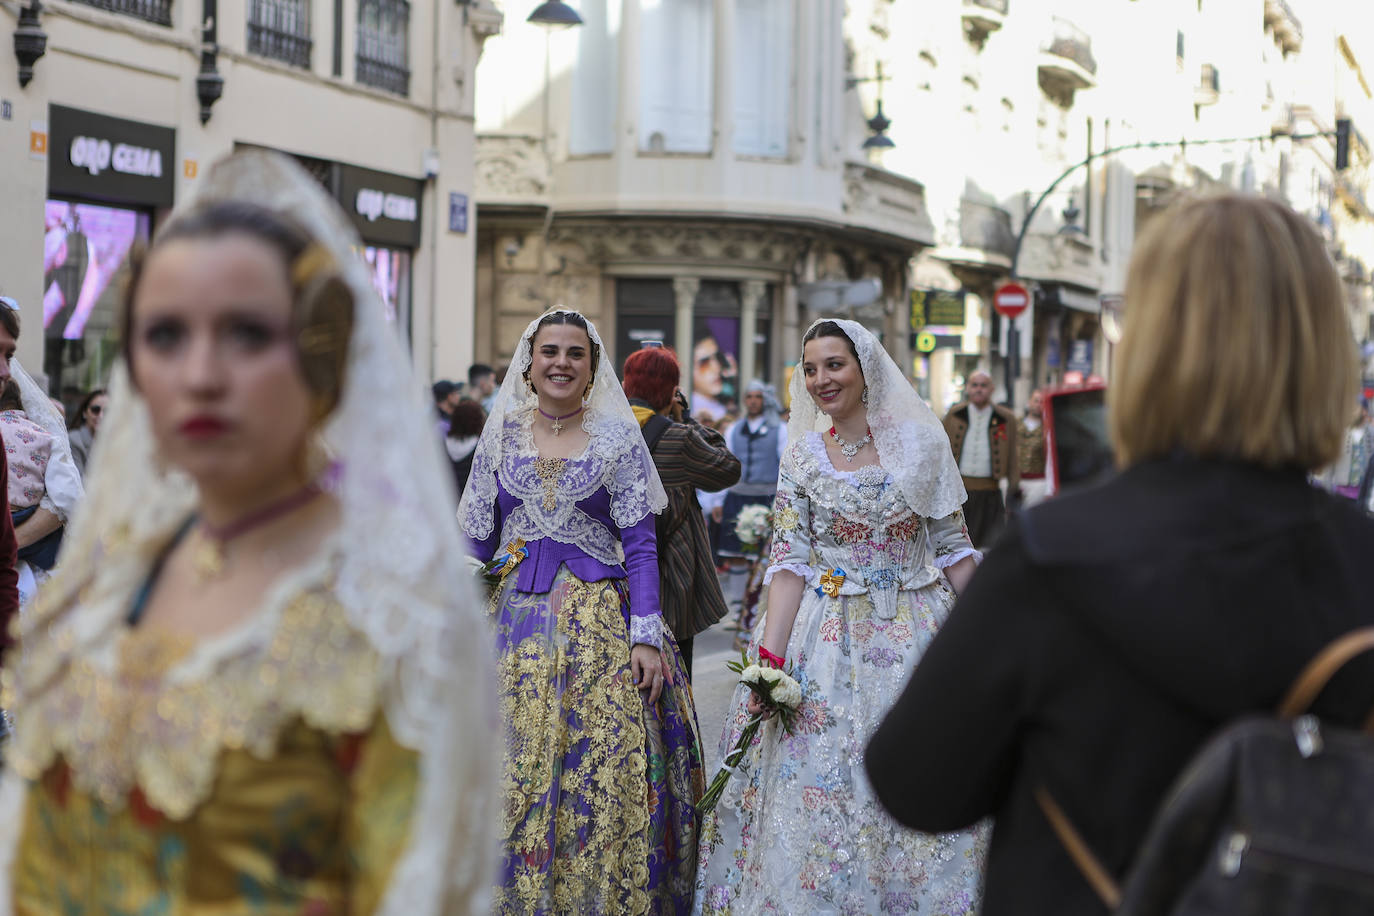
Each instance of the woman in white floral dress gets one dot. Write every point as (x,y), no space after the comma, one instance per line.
(869,547)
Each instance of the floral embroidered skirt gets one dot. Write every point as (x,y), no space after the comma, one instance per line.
(798,829)
(599,786)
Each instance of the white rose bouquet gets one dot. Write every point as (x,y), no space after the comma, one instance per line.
(753,525)
(779,694)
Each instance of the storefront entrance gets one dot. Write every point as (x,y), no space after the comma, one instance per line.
(107,179)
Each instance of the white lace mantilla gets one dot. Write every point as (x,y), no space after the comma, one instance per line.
(910,440)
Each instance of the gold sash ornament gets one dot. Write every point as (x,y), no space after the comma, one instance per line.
(831,583)
(515,552)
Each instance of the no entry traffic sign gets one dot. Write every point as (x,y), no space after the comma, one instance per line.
(1011,299)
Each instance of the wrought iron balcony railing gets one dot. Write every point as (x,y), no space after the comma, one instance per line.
(158,11)
(383,58)
(280,29)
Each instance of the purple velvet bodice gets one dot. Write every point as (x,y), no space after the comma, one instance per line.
(535,574)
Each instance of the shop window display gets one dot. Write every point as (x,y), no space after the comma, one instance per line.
(85,261)
(390,271)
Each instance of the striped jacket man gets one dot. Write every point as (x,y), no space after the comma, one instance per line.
(689,457)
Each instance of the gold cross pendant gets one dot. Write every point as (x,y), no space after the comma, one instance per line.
(557,426)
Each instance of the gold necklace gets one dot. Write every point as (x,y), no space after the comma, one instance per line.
(207,558)
(549,471)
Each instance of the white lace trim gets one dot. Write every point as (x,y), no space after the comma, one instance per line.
(805,571)
(578,529)
(646,631)
(950,559)
(841,491)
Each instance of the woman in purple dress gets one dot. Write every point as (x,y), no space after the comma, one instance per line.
(603,762)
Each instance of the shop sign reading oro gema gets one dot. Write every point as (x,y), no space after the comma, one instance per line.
(384,207)
(111,159)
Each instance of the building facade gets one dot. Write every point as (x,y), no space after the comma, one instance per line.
(698,169)
(131,100)
(691,172)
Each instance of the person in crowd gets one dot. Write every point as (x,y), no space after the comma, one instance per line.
(86,424)
(688,457)
(446,395)
(465,426)
(482,385)
(250,683)
(1030,442)
(759,439)
(1342,476)
(983,437)
(1116,628)
(603,762)
(30,449)
(63,490)
(869,549)
(9,545)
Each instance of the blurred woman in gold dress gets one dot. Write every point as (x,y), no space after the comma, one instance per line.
(247,688)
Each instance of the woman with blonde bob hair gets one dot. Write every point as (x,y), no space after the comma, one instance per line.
(1115,629)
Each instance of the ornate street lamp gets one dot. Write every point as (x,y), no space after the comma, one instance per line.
(554,13)
(880,122)
(30,41)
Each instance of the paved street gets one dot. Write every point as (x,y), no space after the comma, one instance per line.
(712,686)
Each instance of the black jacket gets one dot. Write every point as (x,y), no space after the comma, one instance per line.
(1107,636)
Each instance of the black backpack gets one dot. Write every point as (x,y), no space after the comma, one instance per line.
(1275,815)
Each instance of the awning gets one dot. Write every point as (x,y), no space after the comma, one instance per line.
(1067,297)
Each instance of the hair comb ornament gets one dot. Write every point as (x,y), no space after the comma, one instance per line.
(315,259)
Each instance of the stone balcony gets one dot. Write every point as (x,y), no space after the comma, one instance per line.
(983,17)
(1066,58)
(1287,28)
(1063,257)
(885,202)
(511,171)
(987,242)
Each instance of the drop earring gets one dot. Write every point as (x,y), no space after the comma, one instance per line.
(865,396)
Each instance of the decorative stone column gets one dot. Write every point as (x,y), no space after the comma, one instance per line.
(751,296)
(685,293)
(791,326)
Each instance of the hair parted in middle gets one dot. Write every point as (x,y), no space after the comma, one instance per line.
(831,329)
(1237,344)
(562,316)
(652,375)
(322,302)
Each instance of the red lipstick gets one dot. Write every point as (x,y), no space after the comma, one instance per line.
(203,426)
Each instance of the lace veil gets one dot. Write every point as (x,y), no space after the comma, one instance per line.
(398,578)
(62,481)
(911,441)
(612,432)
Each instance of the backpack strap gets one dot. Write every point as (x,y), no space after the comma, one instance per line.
(654,428)
(1322,668)
(1092,868)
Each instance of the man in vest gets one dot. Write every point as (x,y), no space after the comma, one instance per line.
(758,440)
(983,437)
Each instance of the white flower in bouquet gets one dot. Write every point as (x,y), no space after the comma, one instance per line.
(778,693)
(788,693)
(753,524)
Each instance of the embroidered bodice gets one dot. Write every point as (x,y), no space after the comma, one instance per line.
(859,523)
(589,512)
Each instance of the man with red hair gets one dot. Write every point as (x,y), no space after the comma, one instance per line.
(689,457)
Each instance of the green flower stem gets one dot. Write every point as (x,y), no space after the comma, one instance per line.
(732,759)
